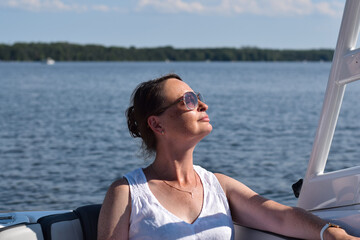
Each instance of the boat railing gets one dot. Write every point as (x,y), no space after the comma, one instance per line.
(339,188)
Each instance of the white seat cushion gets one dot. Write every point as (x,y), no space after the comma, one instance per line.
(21,232)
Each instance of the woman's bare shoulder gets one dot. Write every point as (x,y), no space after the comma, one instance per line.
(231,185)
(119,190)
(221,177)
(120,184)
(225,180)
(115,212)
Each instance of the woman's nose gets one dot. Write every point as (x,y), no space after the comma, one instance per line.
(202,107)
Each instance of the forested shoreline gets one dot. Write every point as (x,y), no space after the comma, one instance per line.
(63,51)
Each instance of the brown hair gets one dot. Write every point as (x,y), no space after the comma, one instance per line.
(146,100)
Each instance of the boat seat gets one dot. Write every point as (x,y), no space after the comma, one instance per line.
(89,216)
(61,226)
(28,231)
(81,224)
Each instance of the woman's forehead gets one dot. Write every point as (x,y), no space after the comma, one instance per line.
(174,88)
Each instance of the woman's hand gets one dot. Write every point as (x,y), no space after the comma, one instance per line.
(332,233)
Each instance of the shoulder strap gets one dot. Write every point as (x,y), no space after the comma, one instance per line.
(137,181)
(210,180)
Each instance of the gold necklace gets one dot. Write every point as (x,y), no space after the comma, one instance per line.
(181,190)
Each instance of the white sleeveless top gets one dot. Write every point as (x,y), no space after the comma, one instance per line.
(150,220)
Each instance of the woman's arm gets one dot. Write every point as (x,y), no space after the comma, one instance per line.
(115,212)
(251,210)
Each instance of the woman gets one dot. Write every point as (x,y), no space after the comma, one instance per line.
(172,198)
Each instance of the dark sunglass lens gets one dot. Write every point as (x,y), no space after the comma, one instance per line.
(190,100)
(200,97)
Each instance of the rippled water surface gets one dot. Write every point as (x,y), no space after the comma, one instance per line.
(64,139)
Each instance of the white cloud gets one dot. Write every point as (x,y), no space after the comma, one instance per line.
(171,6)
(220,7)
(257,7)
(54,5)
(42,5)
(101,8)
(332,9)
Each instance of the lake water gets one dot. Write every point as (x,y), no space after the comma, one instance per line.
(64,139)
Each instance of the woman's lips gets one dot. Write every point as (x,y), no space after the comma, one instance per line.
(205,119)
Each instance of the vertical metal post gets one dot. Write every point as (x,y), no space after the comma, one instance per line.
(335,91)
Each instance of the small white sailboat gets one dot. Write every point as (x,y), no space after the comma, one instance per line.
(49,61)
(334,196)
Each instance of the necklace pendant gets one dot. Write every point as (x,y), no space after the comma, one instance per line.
(192,195)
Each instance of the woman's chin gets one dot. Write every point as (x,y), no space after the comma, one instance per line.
(208,130)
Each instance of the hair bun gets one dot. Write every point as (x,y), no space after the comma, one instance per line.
(131,121)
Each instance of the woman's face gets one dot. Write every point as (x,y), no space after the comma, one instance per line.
(177,121)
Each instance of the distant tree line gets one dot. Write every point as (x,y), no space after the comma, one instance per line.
(63,51)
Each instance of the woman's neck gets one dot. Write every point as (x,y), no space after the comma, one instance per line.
(175,166)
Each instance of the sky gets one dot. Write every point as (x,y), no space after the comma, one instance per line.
(276,24)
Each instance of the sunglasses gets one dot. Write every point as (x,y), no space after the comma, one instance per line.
(190,99)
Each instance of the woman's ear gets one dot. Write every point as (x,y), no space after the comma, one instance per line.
(154,124)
